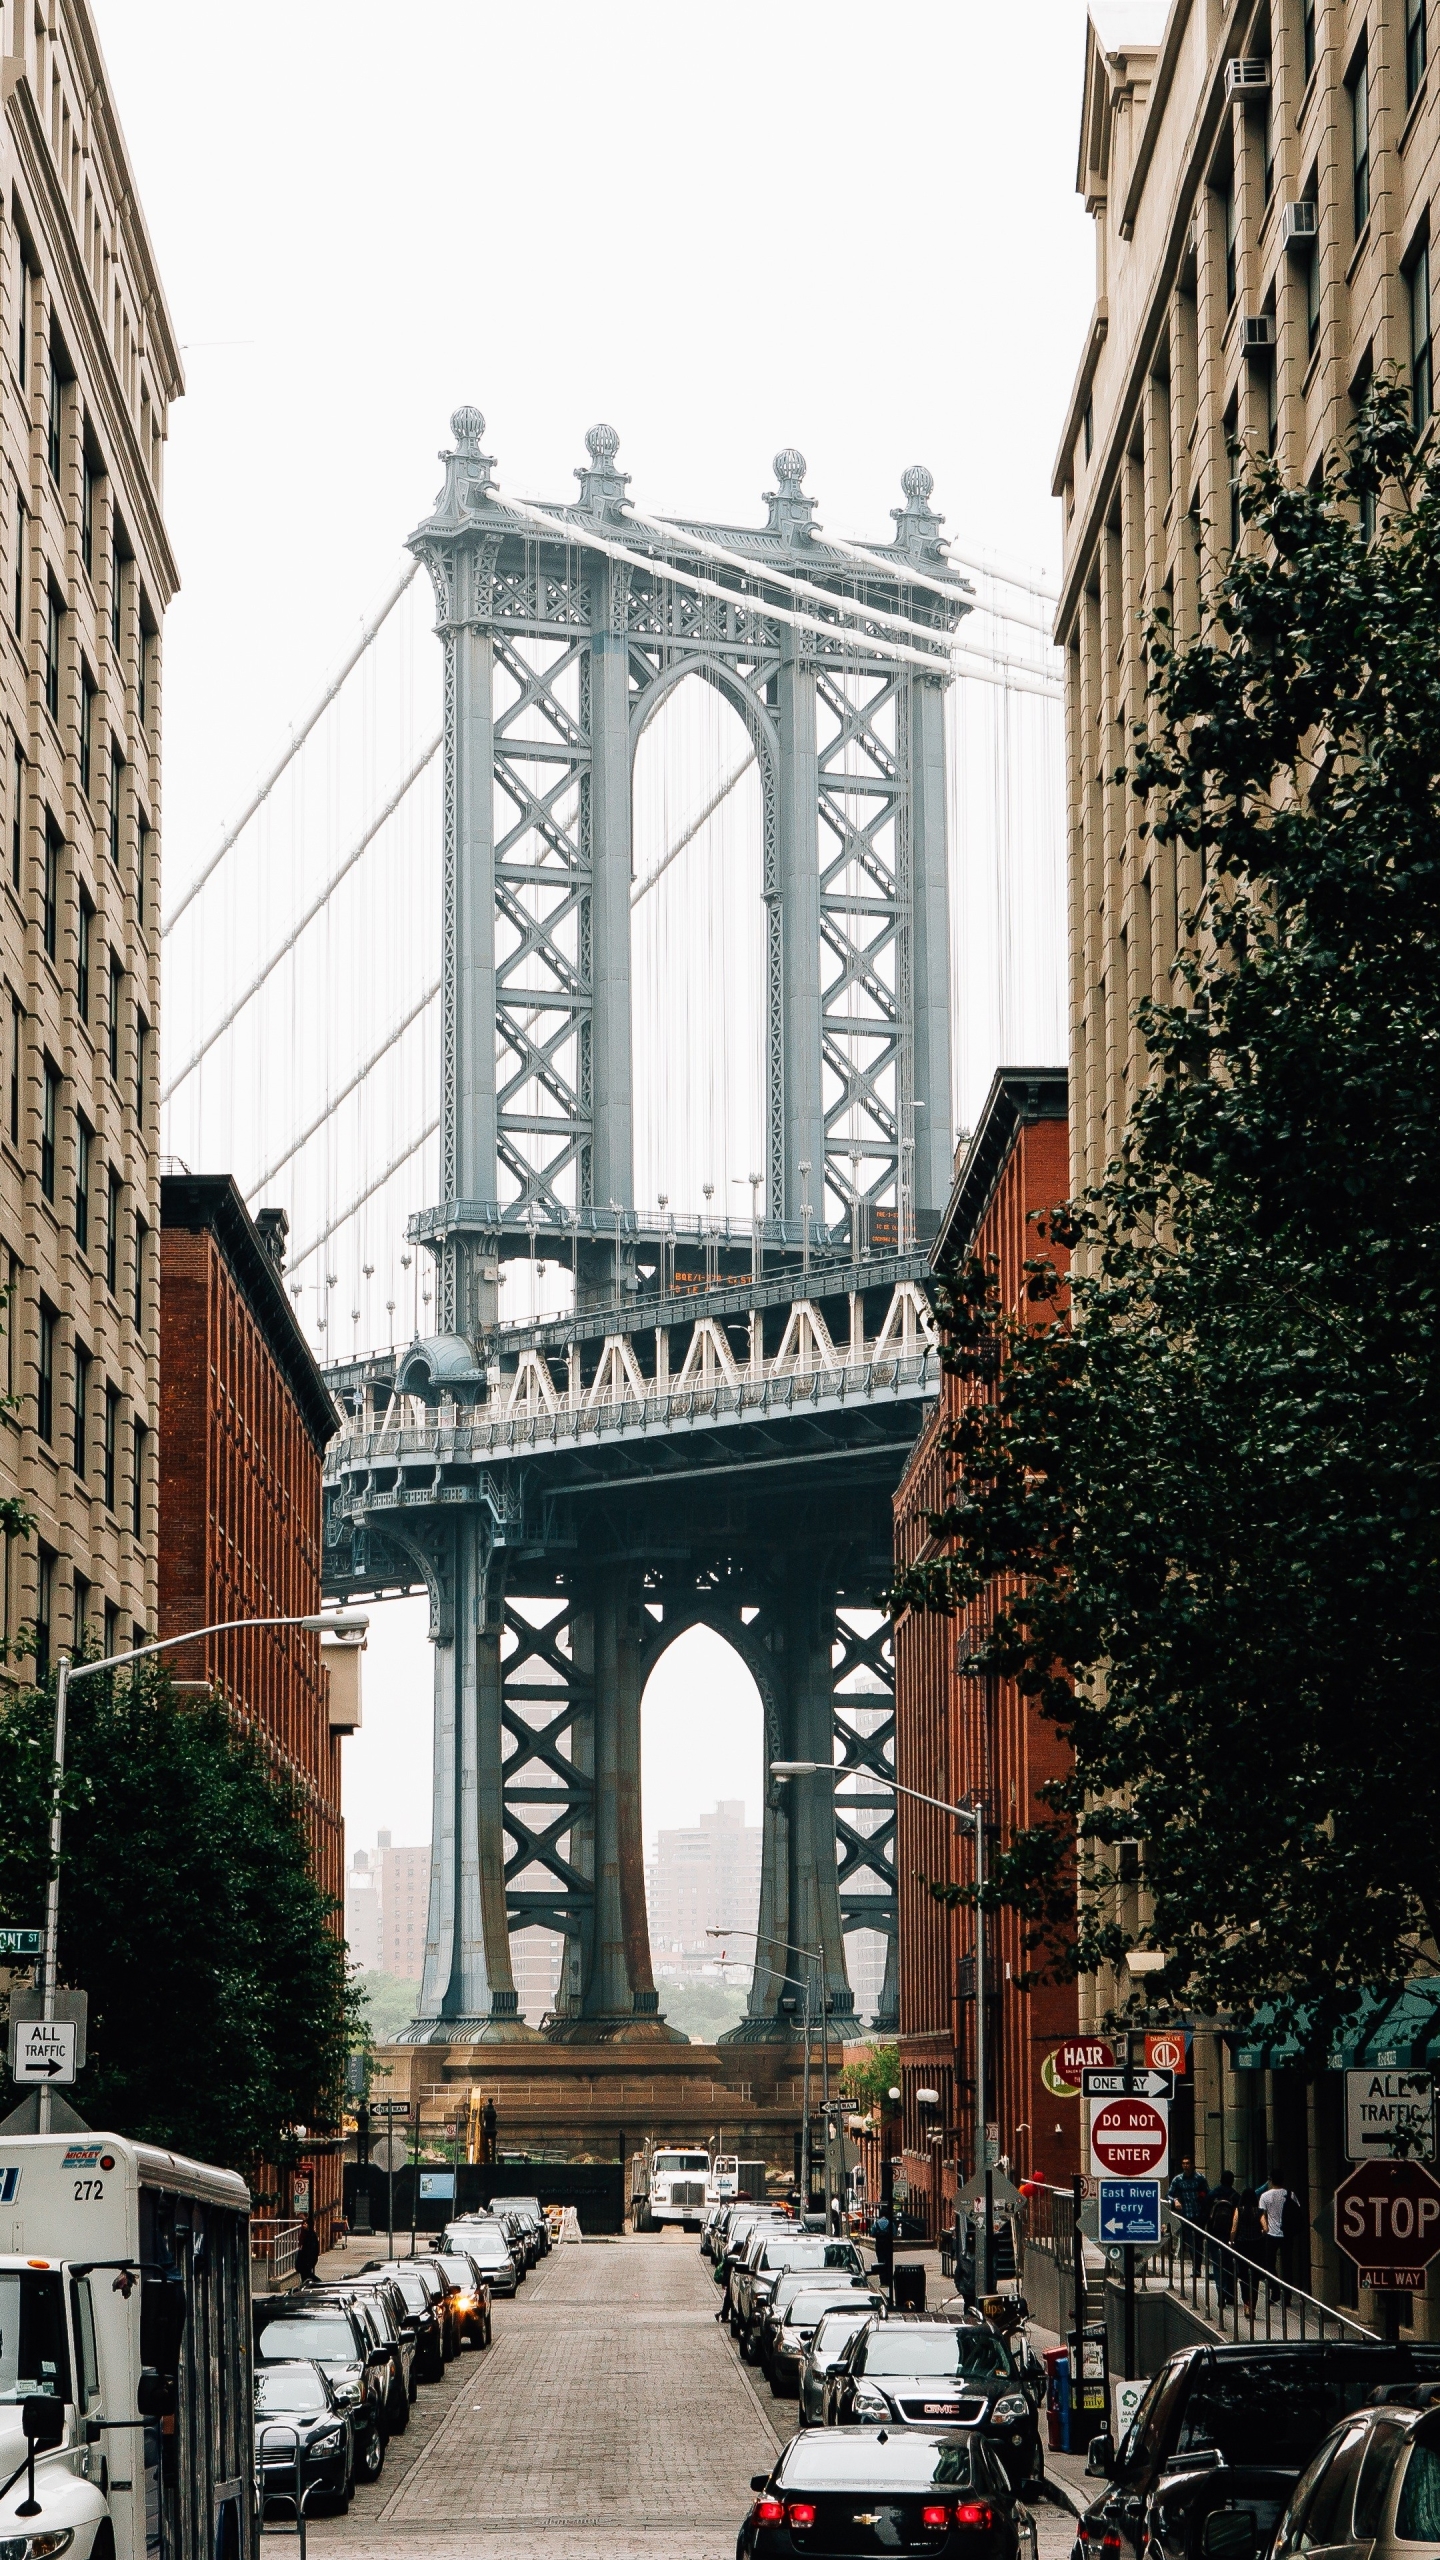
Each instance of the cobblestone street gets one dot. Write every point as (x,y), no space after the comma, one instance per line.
(610,2418)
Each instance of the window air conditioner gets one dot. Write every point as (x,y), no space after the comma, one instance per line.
(1258,333)
(1299,225)
(1246,76)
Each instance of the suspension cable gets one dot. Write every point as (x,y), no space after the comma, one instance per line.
(294,1261)
(312,911)
(688,834)
(358,1078)
(297,741)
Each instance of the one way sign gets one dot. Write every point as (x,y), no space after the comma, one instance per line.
(1135,2084)
(45,2051)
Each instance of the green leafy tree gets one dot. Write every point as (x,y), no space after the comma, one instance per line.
(220,2013)
(1215,1488)
(871,2074)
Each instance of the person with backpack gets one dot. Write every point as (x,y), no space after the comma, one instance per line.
(1190,2198)
(882,2233)
(1220,2222)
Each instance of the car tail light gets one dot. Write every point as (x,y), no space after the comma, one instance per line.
(935,2519)
(799,2512)
(769,2511)
(1110,2541)
(977,2513)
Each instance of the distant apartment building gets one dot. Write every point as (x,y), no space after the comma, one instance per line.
(404,1907)
(707,1878)
(537,1957)
(88,368)
(362,1913)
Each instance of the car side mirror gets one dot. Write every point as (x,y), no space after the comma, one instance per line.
(1100,2460)
(155,2395)
(42,2419)
(1229,2533)
(759,2479)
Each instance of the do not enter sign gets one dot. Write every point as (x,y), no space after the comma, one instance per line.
(1387,2219)
(1130,2138)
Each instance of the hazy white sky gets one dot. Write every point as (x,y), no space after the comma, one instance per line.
(723,228)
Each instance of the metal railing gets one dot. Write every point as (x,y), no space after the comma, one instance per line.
(1233,2295)
(275,2245)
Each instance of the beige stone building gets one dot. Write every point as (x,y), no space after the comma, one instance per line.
(1260,174)
(88,369)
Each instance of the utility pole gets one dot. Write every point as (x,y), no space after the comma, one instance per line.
(1130,2251)
(982,2060)
(805,2113)
(50,1952)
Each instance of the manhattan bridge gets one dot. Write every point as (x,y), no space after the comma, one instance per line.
(701,1416)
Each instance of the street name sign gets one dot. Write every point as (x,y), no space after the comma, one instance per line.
(1140,2084)
(1130,2212)
(1130,2138)
(21,1942)
(1387,2221)
(1389,2115)
(45,2051)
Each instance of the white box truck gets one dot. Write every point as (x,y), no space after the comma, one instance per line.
(126,2397)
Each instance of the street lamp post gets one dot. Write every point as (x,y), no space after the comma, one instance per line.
(973,1815)
(66,1674)
(815,1956)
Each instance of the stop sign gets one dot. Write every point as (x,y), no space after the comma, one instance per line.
(1129,2138)
(1387,2219)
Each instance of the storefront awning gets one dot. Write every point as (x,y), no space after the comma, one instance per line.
(1395,2034)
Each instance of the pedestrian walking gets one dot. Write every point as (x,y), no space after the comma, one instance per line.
(1272,2214)
(1190,2198)
(1220,2222)
(882,2232)
(1249,2240)
(307,2254)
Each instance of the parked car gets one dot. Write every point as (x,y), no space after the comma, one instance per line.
(354,2363)
(383,2310)
(426,2314)
(744,2221)
(1231,2427)
(520,2233)
(854,2490)
(833,2333)
(486,2243)
(472,2296)
(708,2228)
(790,2316)
(923,2370)
(1375,2480)
(534,2213)
(767,2259)
(299,2423)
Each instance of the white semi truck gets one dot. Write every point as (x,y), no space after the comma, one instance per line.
(126,2398)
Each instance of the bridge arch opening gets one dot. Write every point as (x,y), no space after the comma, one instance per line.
(698,955)
(702,1791)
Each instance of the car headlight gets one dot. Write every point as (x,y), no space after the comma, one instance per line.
(330,2442)
(869,2404)
(347,2392)
(34,2546)
(1011,2406)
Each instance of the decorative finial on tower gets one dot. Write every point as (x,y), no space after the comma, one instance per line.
(467,427)
(917,527)
(467,469)
(790,511)
(602,487)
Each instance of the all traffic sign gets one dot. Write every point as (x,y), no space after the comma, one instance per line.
(1387,2220)
(45,2051)
(1130,2138)
(1389,2114)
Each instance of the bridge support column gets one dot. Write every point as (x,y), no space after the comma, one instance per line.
(799,1881)
(928,1099)
(612,1174)
(466,1304)
(468,1990)
(797,997)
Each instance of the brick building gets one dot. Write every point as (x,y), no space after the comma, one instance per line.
(244,1421)
(958,1736)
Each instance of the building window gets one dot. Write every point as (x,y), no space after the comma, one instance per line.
(45,1376)
(139,1438)
(82,1613)
(1312,302)
(83,938)
(87,728)
(50,919)
(117,768)
(1307,34)
(82,1408)
(50,1113)
(142,1234)
(1360,137)
(142,1062)
(142,868)
(1267,137)
(112,1436)
(84,1148)
(19,564)
(142,659)
(22,333)
(117,974)
(1417,46)
(1227,208)
(52,418)
(17,812)
(87,515)
(44,1610)
(112,1230)
(16,1063)
(112,1629)
(12,1312)
(1422,379)
(52,654)
(1089,425)
(117,592)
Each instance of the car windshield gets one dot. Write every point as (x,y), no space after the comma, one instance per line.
(836,2330)
(804,2309)
(457,2270)
(32,2335)
(417,2295)
(828,2458)
(976,2353)
(809,2253)
(1417,2517)
(307,2337)
(295,2386)
(489,2248)
(1270,2410)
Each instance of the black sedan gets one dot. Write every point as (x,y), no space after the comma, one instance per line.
(472,2296)
(424,2315)
(855,2490)
(339,2342)
(304,2445)
(927,2371)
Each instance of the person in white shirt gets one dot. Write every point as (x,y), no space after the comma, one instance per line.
(1273,2200)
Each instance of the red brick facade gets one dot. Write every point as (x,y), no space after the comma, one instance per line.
(958,1736)
(244,1420)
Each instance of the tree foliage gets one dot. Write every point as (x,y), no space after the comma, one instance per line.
(1217,1484)
(219,2012)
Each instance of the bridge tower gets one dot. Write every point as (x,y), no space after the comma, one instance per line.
(686,1447)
